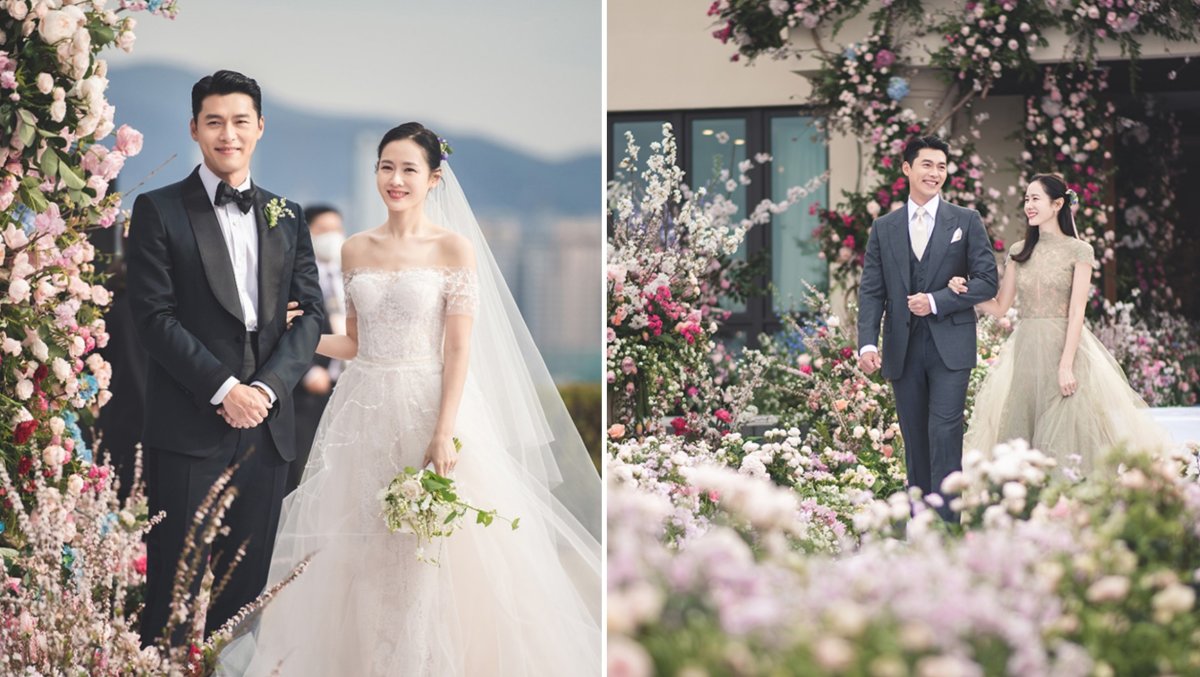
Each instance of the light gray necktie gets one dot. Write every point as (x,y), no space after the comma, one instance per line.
(920,233)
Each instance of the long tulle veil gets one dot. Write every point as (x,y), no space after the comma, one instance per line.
(535,426)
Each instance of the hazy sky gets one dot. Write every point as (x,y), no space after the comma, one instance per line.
(525,72)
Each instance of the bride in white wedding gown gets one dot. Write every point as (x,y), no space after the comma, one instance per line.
(438,352)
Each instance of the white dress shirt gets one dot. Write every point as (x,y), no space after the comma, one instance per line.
(931,208)
(240,232)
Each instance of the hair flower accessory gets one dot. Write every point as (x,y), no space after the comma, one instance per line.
(275,209)
(1072,198)
(447,150)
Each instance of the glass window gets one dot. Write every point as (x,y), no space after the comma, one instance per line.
(799,155)
(716,148)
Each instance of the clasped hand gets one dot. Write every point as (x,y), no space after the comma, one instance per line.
(918,304)
(244,407)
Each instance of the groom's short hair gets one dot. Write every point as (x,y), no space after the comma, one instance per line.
(225,82)
(914,146)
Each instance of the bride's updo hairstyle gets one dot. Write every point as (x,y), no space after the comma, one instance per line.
(1055,189)
(422,135)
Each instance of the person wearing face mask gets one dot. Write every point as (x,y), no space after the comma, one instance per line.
(312,393)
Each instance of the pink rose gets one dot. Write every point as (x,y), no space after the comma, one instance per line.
(129,141)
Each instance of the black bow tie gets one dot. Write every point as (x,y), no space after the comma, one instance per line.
(227,193)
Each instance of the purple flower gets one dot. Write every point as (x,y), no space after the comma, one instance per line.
(884,58)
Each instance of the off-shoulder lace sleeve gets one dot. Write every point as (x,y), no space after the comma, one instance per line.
(348,275)
(461,290)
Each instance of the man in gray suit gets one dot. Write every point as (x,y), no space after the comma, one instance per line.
(928,331)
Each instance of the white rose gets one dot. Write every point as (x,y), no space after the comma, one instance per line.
(11,346)
(53,455)
(57,425)
(411,489)
(18,290)
(58,110)
(81,41)
(61,368)
(17,9)
(58,25)
(45,82)
(75,485)
(92,89)
(24,388)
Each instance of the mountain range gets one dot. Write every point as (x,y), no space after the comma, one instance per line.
(310,156)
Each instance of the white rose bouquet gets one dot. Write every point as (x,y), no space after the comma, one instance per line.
(424,503)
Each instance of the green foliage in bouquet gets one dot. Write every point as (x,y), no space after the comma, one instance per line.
(427,505)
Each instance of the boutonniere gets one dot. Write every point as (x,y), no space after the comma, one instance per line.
(275,209)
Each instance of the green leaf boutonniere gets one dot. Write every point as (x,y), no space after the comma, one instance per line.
(275,209)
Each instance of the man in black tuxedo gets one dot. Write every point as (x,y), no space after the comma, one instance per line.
(211,268)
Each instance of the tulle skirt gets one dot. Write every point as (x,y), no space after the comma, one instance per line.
(1020,398)
(502,602)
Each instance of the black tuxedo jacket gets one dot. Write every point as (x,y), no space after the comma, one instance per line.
(187,314)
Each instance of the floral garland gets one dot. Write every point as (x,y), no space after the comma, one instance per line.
(987,39)
(758,28)
(1065,132)
(54,185)
(1090,21)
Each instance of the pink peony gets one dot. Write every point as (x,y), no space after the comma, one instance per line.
(129,141)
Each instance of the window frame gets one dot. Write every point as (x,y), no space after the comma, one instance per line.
(759,317)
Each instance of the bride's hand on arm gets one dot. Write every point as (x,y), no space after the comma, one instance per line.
(336,346)
(998,306)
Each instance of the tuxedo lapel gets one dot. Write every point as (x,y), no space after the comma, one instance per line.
(898,245)
(214,253)
(270,262)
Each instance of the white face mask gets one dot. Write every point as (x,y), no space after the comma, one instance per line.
(328,246)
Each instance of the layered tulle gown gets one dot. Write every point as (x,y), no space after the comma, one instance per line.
(1020,397)
(502,602)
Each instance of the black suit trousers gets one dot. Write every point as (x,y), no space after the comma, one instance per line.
(178,485)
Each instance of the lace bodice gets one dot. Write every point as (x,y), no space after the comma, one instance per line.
(402,313)
(1044,281)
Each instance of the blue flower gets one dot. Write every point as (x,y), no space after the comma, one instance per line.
(2,527)
(71,560)
(897,88)
(850,54)
(72,420)
(154,5)
(107,524)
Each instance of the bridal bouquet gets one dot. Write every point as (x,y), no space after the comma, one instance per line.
(424,503)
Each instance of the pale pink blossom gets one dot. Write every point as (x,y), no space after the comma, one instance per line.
(129,141)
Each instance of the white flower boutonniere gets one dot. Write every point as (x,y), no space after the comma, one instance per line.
(275,209)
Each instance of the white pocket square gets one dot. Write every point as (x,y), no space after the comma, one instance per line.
(957,235)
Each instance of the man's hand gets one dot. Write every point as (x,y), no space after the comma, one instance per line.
(918,304)
(244,406)
(317,380)
(869,361)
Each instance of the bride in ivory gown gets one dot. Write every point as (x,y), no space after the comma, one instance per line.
(438,351)
(1054,384)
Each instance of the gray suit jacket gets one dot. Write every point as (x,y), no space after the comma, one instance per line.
(886,285)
